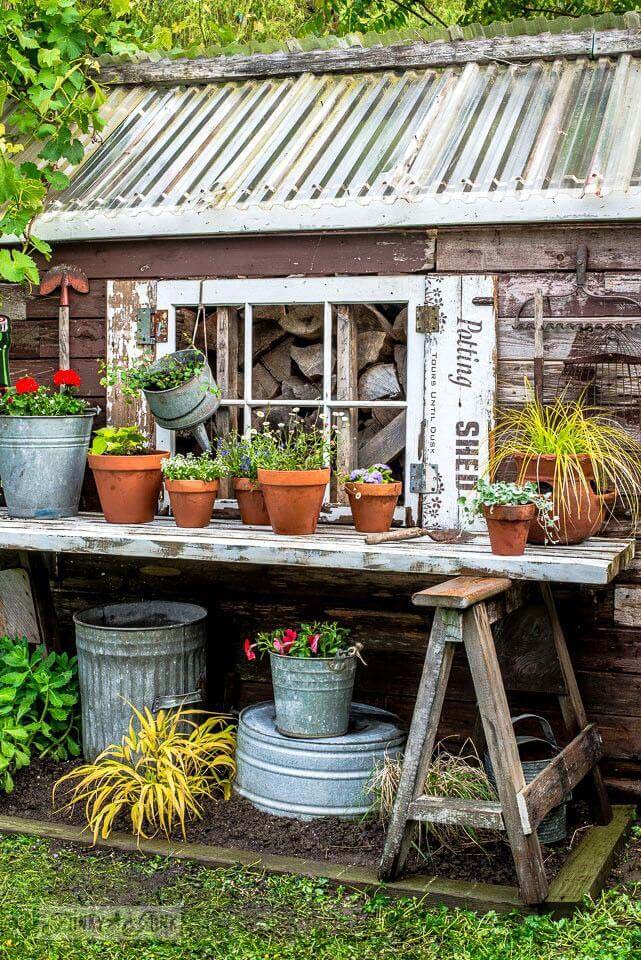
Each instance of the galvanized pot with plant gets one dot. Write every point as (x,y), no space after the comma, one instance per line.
(44,438)
(313,670)
(192,484)
(127,474)
(508,510)
(373,494)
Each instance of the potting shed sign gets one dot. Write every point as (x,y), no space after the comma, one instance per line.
(460,392)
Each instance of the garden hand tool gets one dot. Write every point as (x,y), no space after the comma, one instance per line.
(413,533)
(64,276)
(5,343)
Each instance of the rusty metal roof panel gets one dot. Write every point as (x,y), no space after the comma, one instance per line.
(462,144)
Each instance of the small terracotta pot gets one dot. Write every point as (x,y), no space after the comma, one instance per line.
(372,505)
(508,527)
(294,499)
(251,502)
(128,487)
(192,501)
(579,507)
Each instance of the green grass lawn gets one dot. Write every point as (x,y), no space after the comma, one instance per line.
(67,904)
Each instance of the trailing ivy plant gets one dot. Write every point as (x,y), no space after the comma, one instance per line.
(50,98)
(38,706)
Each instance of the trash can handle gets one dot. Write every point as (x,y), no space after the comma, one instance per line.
(545,726)
(171,700)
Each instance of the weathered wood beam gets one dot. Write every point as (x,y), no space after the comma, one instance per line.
(403,56)
(480,814)
(461,592)
(346,389)
(556,781)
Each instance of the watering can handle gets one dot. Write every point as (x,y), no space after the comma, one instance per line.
(547,729)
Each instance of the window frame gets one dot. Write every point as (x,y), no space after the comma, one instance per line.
(329,292)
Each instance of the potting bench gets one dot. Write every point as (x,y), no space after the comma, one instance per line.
(485,588)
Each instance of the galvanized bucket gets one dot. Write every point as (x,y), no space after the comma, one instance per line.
(189,404)
(148,654)
(42,464)
(312,696)
(552,828)
(306,779)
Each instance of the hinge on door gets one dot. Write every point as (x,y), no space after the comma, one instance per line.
(151,326)
(427,318)
(422,480)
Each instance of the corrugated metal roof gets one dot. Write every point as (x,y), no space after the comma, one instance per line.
(479,143)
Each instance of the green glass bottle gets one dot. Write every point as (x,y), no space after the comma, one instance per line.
(5,343)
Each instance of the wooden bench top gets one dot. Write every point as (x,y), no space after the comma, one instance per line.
(594,562)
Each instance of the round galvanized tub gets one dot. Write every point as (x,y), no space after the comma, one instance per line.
(188,404)
(145,654)
(42,464)
(312,696)
(305,779)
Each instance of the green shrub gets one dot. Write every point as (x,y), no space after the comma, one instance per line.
(120,441)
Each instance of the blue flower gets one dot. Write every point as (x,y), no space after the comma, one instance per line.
(357,475)
(374,476)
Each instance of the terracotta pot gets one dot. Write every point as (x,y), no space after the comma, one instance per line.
(294,499)
(508,527)
(192,501)
(128,487)
(251,502)
(577,505)
(372,505)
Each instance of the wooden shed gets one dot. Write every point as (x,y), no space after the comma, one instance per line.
(366,227)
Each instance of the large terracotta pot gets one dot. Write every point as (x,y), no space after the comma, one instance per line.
(128,486)
(508,527)
(578,506)
(192,501)
(251,502)
(294,499)
(372,505)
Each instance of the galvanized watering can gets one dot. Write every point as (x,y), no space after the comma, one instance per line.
(552,828)
(189,405)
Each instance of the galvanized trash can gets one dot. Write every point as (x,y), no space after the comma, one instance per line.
(306,779)
(552,828)
(145,654)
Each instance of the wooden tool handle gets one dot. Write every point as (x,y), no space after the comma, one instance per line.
(409,533)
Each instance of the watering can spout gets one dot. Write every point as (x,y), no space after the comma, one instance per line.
(201,436)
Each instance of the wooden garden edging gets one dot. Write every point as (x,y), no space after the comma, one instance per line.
(582,875)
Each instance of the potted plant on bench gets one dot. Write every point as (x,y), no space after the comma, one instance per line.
(373,494)
(582,456)
(509,509)
(239,454)
(128,474)
(293,471)
(44,438)
(313,669)
(192,484)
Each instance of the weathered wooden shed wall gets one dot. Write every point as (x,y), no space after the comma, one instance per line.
(604,628)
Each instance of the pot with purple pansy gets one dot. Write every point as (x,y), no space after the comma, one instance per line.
(237,451)
(313,667)
(373,494)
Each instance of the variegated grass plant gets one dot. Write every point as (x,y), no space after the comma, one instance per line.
(158,776)
(568,430)
(458,775)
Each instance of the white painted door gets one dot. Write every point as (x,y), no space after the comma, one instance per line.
(460,392)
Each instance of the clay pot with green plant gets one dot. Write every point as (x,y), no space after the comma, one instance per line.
(236,451)
(127,473)
(192,484)
(313,669)
(293,473)
(583,457)
(373,494)
(508,510)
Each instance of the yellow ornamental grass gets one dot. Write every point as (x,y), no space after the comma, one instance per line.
(158,776)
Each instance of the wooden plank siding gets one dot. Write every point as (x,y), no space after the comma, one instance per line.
(604,627)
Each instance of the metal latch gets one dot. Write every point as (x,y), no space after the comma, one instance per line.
(424,480)
(152,326)
(427,318)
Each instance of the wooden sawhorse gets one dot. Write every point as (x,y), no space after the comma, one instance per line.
(464,610)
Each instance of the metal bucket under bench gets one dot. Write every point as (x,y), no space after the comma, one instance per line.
(480,589)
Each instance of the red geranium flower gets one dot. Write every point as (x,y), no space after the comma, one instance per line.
(26,385)
(66,378)
(249,649)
